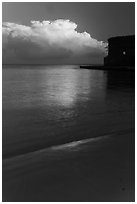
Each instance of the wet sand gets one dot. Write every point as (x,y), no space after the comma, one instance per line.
(98,169)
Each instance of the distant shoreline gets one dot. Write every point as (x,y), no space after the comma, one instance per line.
(102,67)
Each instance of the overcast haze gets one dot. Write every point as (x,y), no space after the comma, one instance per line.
(62,33)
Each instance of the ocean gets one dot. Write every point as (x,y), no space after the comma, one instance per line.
(45,105)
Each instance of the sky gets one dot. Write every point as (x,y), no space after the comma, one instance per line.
(62,32)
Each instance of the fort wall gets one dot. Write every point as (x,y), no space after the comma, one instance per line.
(121,51)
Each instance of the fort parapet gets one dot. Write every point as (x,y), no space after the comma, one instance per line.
(121,51)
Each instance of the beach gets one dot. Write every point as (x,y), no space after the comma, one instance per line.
(94,170)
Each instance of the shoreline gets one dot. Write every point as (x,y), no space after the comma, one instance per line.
(99,170)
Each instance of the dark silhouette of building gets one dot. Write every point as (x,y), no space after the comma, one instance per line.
(121,51)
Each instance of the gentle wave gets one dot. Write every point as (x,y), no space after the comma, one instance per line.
(69,145)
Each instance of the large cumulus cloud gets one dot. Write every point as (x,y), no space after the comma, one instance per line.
(55,42)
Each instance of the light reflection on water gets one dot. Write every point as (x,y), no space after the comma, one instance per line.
(27,88)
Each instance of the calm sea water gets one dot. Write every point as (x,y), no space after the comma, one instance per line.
(49,105)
